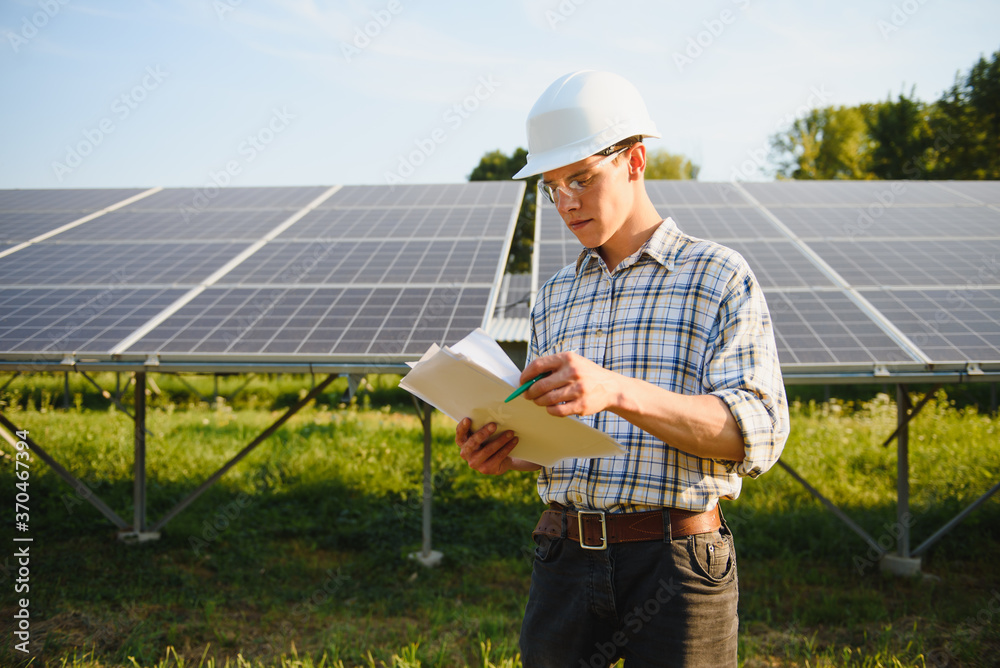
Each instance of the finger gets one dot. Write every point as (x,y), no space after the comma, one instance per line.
(494,462)
(558,392)
(479,457)
(540,365)
(462,431)
(476,440)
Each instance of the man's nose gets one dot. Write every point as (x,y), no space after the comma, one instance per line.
(566,200)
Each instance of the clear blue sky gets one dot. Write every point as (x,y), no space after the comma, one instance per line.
(109,94)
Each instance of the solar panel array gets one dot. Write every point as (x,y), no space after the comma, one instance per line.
(353,273)
(869,276)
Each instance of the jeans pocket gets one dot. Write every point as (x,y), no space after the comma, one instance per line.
(546,547)
(713,555)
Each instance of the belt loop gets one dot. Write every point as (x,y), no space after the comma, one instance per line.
(724,529)
(667,536)
(564,515)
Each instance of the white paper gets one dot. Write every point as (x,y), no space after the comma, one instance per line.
(474,377)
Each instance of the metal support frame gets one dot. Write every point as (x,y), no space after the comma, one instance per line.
(138,531)
(116,398)
(229,397)
(426,556)
(78,486)
(904,561)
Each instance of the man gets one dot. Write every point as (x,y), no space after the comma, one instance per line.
(664,342)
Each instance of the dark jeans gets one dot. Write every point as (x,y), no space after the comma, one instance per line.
(655,603)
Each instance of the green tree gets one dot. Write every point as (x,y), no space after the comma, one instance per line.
(966,125)
(902,139)
(496,166)
(827,143)
(661,164)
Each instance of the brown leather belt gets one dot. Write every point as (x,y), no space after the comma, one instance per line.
(596,529)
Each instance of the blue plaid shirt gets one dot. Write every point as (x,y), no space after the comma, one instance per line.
(689,316)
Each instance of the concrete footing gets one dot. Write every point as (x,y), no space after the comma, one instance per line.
(897,565)
(429,559)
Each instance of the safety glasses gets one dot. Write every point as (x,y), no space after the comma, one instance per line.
(578,186)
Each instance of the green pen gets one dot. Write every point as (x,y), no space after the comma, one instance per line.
(521,390)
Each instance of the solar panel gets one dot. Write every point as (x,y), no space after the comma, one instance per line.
(853,193)
(686,193)
(362,271)
(780,264)
(814,328)
(387,261)
(101,263)
(901,262)
(188,200)
(955,325)
(721,223)
(476,193)
(177,226)
(899,222)
(47,201)
(401,223)
(987,192)
(18,226)
(342,322)
(75,320)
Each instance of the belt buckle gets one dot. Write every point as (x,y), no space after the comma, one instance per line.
(604,529)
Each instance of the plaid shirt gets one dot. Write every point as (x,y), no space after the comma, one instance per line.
(686,315)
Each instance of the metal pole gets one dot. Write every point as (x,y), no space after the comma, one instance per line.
(902,470)
(66,390)
(425,419)
(954,522)
(865,536)
(107,395)
(82,490)
(139,473)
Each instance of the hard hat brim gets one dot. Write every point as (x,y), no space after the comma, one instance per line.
(555,159)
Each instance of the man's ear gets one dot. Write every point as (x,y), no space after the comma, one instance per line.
(637,162)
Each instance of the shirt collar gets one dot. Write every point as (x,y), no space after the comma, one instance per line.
(661,246)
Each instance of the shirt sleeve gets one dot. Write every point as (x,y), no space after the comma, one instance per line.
(742,369)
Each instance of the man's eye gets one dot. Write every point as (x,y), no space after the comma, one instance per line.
(578,185)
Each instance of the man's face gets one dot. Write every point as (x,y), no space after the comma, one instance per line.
(591,196)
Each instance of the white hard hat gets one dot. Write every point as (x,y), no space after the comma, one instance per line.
(580,114)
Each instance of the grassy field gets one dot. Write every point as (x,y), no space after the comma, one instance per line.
(298,556)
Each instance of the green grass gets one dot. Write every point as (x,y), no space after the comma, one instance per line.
(298,556)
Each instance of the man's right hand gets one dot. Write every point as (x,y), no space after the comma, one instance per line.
(488,452)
